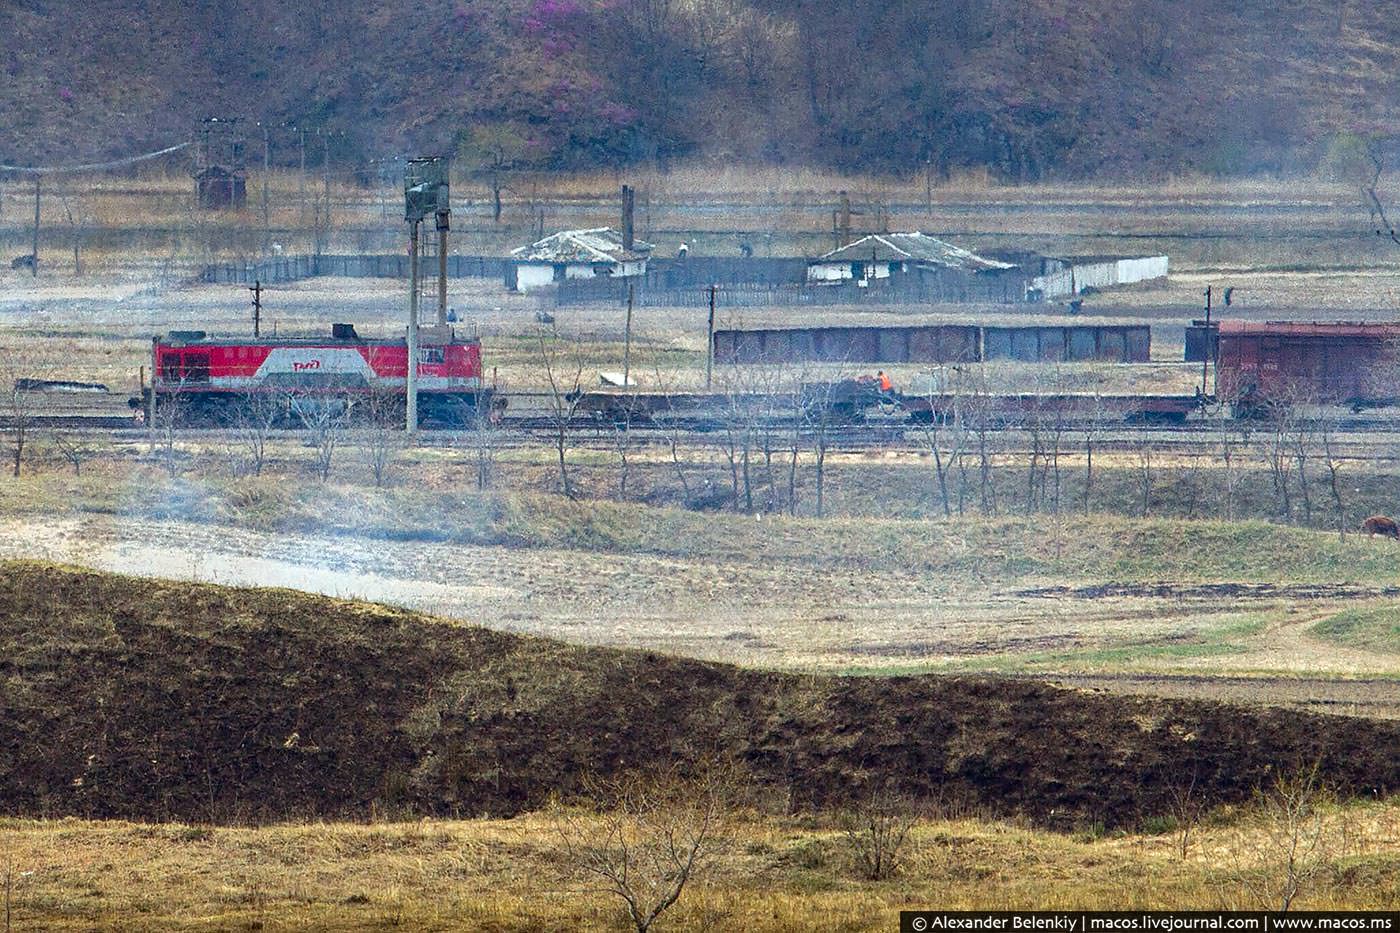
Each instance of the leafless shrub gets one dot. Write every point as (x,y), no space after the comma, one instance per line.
(1302,838)
(645,839)
(324,419)
(563,369)
(381,434)
(75,447)
(254,417)
(1186,807)
(877,833)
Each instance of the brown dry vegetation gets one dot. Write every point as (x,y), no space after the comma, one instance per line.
(779,873)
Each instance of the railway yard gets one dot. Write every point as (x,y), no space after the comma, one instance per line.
(1064,499)
(1053,444)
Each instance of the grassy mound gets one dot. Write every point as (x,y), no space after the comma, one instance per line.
(1376,629)
(122,697)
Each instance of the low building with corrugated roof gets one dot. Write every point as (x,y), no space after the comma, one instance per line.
(576,254)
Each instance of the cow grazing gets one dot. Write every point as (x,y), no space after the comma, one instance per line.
(1380,525)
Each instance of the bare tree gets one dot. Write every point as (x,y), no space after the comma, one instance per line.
(877,833)
(483,436)
(325,419)
(1186,806)
(170,410)
(1233,446)
(564,372)
(818,397)
(1281,414)
(21,409)
(1094,420)
(381,433)
(1301,838)
(75,447)
(646,839)
(254,417)
(1331,459)
(1146,476)
(943,433)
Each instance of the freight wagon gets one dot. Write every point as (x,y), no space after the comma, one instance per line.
(1338,362)
(1044,341)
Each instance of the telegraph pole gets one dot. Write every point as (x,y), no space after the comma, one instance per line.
(710,342)
(256,289)
(266,205)
(627,341)
(34,266)
(325,193)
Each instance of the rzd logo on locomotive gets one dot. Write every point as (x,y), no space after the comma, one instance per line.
(301,366)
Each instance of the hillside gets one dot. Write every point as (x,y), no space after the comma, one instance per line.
(1027,89)
(129,698)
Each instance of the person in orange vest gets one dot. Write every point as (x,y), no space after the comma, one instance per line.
(886,386)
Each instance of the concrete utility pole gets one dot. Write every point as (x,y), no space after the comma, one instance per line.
(325,232)
(627,341)
(34,265)
(411,426)
(710,342)
(442,225)
(267,204)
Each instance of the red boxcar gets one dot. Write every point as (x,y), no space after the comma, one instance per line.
(1338,361)
(210,375)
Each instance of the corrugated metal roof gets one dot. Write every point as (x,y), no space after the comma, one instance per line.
(1309,329)
(912,247)
(598,244)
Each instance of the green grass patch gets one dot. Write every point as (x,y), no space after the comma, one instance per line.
(1375,629)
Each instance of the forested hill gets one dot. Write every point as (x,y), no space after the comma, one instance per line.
(1031,88)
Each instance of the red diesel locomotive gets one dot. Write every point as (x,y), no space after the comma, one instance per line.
(209,378)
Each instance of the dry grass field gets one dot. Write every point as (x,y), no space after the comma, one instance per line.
(772,873)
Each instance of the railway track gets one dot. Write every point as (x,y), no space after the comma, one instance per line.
(1354,446)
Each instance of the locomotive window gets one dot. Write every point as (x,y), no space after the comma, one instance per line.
(197,367)
(170,367)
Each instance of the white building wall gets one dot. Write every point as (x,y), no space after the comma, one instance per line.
(1143,269)
(1095,275)
(828,271)
(1055,284)
(844,271)
(530,275)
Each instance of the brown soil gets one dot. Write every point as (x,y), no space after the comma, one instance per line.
(131,698)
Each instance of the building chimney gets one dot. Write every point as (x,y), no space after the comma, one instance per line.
(629,200)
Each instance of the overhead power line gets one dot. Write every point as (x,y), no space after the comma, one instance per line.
(91,166)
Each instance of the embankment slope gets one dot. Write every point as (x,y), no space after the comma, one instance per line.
(122,697)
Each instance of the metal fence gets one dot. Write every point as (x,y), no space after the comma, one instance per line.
(391,266)
(909,290)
